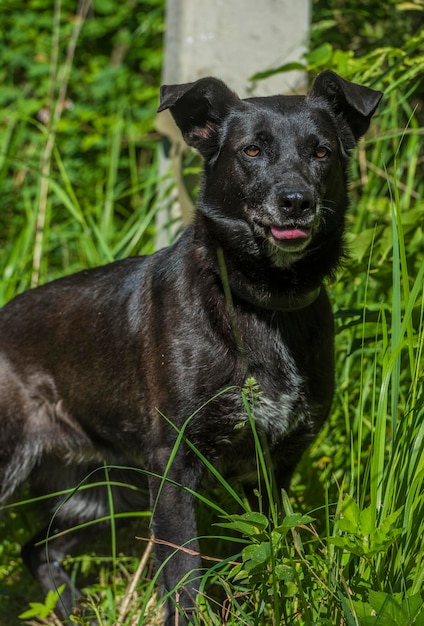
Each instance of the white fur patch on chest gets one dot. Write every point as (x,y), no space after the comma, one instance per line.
(278,417)
(278,393)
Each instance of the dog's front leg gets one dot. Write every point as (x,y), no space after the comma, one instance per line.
(175,532)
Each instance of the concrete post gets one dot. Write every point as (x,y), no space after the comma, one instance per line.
(235,39)
(232,40)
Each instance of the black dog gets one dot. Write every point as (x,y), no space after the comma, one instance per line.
(111,364)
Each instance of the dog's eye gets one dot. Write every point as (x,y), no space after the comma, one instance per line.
(252,151)
(321,152)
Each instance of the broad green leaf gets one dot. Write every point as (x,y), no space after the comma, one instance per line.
(290,589)
(292,521)
(43,610)
(364,612)
(350,544)
(366,526)
(284,573)
(256,555)
(320,55)
(38,609)
(349,516)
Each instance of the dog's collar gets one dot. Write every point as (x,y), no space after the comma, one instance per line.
(284,303)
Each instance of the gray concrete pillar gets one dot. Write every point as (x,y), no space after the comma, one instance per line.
(235,39)
(232,40)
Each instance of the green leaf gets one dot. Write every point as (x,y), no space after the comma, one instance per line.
(366,526)
(290,589)
(287,67)
(284,573)
(256,555)
(249,524)
(414,605)
(38,609)
(348,543)
(52,597)
(292,521)
(390,610)
(43,610)
(320,56)
(364,612)
(349,516)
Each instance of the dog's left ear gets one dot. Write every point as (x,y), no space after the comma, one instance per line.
(198,109)
(356,103)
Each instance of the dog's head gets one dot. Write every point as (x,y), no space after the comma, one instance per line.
(275,165)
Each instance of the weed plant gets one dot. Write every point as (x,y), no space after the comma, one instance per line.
(349,548)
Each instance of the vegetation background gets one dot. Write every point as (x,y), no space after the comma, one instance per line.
(79,179)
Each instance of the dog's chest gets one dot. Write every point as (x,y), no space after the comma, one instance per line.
(275,415)
(279,416)
(277,390)
(276,400)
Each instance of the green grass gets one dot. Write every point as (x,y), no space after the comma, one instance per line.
(349,550)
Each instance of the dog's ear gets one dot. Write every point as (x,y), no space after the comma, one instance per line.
(356,103)
(198,109)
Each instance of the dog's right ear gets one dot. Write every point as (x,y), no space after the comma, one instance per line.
(199,109)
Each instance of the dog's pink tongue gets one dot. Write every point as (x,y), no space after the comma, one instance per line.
(289,233)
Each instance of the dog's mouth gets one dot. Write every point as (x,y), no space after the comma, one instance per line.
(290,238)
(290,234)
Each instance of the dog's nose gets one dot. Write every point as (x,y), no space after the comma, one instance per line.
(295,203)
